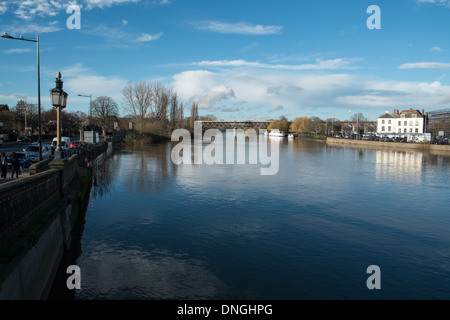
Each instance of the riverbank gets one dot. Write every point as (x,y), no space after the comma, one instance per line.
(311,137)
(423,147)
(137,140)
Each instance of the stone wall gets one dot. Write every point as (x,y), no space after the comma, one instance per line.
(390,145)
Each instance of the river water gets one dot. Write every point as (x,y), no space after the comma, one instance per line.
(156,230)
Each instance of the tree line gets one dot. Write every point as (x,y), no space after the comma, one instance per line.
(152,106)
(315,125)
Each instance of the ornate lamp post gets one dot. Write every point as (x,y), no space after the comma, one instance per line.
(58,98)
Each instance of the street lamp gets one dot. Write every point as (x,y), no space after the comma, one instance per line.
(90,107)
(58,97)
(7,36)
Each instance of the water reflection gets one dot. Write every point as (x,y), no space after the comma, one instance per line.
(117,272)
(162,231)
(403,166)
(103,174)
(149,169)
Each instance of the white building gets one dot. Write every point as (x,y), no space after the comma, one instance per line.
(407,121)
(410,124)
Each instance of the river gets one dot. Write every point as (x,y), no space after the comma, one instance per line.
(157,230)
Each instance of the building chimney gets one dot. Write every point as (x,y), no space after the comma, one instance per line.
(423,112)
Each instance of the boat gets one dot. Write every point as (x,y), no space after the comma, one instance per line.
(291,136)
(276,133)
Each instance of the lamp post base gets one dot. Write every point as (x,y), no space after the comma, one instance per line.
(59,155)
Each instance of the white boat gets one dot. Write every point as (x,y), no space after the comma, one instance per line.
(291,136)
(276,133)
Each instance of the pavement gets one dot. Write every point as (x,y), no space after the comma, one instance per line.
(24,174)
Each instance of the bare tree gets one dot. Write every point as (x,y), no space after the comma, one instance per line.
(173,109)
(181,115)
(26,114)
(194,113)
(138,101)
(105,109)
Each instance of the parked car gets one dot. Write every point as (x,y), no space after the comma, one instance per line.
(33,152)
(75,144)
(441,141)
(65,143)
(23,139)
(24,160)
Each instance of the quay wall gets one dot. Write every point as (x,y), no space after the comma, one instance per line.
(422,147)
(37,217)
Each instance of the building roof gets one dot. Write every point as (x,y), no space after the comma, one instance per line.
(410,112)
(386,115)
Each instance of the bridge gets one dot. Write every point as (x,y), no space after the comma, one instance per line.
(234,124)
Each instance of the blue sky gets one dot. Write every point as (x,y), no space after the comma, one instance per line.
(239,59)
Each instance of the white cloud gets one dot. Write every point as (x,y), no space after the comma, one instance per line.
(15,51)
(425,65)
(145,37)
(214,95)
(90,4)
(31,28)
(331,64)
(277,108)
(230,109)
(3,7)
(238,28)
(81,80)
(436,49)
(300,93)
(28,9)
(436,2)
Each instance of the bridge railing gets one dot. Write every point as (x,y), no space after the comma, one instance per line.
(24,200)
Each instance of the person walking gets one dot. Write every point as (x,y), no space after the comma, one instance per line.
(4,165)
(15,165)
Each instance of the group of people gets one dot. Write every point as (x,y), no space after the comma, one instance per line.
(4,165)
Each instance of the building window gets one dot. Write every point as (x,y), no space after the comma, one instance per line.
(399,130)
(417,123)
(410,130)
(410,123)
(402,115)
(404,130)
(382,128)
(389,121)
(399,123)
(417,130)
(405,123)
(414,116)
(382,121)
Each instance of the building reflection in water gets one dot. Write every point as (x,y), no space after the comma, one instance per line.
(403,166)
